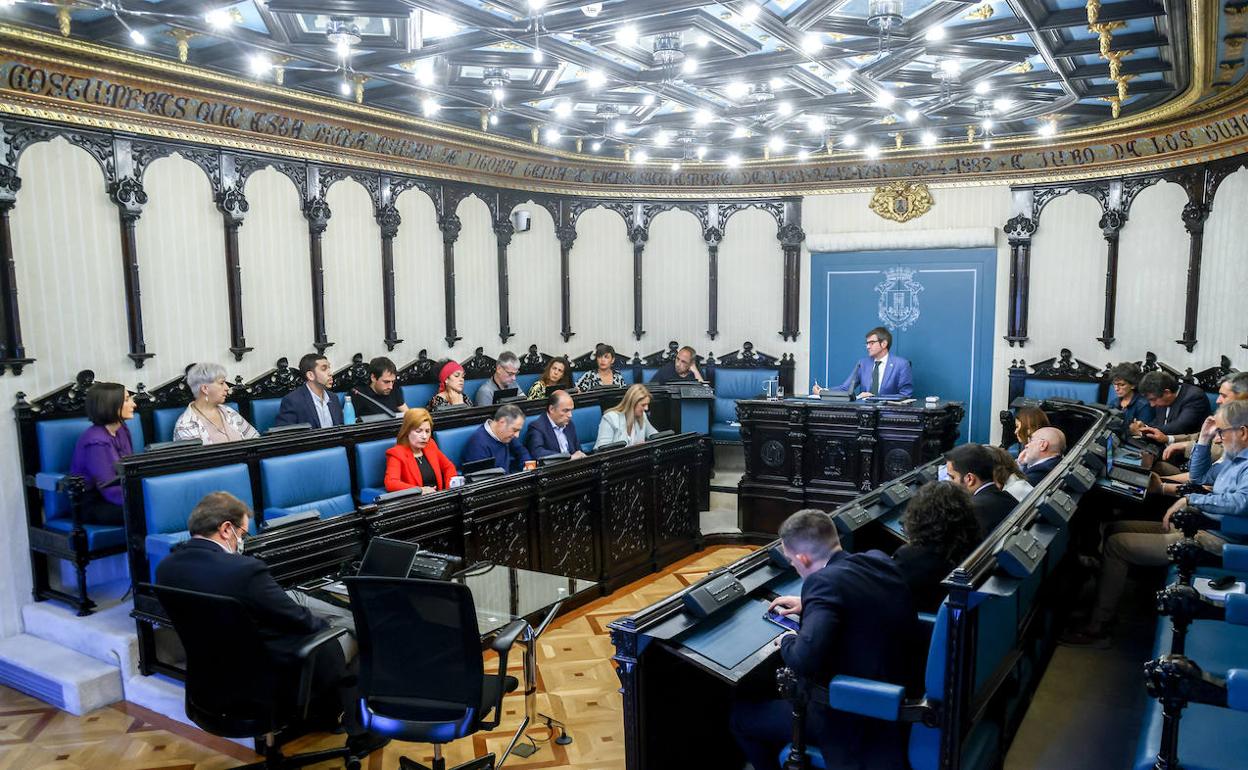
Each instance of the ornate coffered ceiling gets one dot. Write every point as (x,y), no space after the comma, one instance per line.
(678,80)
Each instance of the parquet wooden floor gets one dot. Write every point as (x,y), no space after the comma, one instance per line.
(576,684)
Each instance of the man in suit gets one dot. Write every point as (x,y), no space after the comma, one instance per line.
(857,619)
(554,433)
(881,373)
(970,467)
(1180,408)
(212,562)
(1043,451)
(312,403)
(496,440)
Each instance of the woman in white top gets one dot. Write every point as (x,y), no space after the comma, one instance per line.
(628,420)
(207,418)
(1007,474)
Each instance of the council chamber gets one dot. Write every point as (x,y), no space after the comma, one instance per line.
(628,385)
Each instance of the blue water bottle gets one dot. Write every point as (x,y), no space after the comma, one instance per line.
(348,411)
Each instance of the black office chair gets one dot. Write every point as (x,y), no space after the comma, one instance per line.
(422,678)
(233,687)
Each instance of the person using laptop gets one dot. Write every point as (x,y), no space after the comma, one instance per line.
(496,440)
(504,378)
(415,460)
(380,396)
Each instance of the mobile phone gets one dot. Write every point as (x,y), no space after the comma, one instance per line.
(787,622)
(1222,583)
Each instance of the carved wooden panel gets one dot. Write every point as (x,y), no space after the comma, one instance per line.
(676,517)
(567,527)
(627,533)
(504,539)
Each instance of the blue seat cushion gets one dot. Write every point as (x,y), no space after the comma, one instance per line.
(525,381)
(370,467)
(419,396)
(1041,389)
(996,631)
(168,500)
(647,372)
(586,419)
(471,386)
(732,385)
(158,547)
(319,480)
(99,536)
(264,413)
(56,440)
(452,442)
(722,431)
(628,375)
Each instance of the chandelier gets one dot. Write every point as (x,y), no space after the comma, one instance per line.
(885,16)
(668,54)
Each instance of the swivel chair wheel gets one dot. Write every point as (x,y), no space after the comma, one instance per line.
(353,764)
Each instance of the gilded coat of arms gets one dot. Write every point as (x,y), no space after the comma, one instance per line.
(901,201)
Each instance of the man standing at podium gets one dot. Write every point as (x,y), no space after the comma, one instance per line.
(881,373)
(857,619)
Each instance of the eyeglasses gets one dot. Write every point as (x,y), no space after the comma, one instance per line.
(872,342)
(1219,432)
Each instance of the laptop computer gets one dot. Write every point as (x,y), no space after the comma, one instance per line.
(1116,472)
(386,557)
(472,466)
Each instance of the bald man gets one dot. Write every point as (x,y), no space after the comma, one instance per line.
(1042,453)
(554,433)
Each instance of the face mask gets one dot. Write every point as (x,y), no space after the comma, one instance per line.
(238,541)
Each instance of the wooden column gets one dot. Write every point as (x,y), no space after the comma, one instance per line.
(638,235)
(388,220)
(1019,231)
(12,351)
(1195,213)
(317,212)
(567,236)
(128,195)
(233,207)
(713,237)
(791,237)
(1111,225)
(450,226)
(503,230)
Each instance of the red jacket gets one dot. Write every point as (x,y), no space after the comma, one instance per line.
(402,472)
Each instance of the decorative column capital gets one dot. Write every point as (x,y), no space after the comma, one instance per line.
(233,205)
(317,212)
(713,236)
(450,227)
(1111,223)
(639,235)
(389,220)
(129,196)
(1194,216)
(566,235)
(1020,229)
(503,230)
(10,183)
(791,235)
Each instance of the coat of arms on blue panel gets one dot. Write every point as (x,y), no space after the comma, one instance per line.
(899,298)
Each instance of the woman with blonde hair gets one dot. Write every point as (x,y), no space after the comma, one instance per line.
(627,421)
(415,460)
(555,375)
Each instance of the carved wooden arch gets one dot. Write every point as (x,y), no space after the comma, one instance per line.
(401,184)
(727,210)
(144,154)
(23,136)
(369,180)
(246,165)
(509,199)
(578,206)
(454,195)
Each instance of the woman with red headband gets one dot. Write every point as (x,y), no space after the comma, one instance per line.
(450,388)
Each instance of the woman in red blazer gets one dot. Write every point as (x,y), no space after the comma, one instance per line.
(415,460)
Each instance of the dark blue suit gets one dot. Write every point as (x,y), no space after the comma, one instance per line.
(1035,472)
(542,440)
(857,620)
(297,407)
(480,445)
(894,380)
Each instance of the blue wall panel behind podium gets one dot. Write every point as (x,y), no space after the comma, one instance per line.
(939,305)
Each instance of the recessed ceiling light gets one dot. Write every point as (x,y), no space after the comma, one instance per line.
(596,146)
(740,132)
(499,94)
(675,166)
(871,151)
(983,87)
(563,109)
(784,108)
(344,88)
(538,56)
(596,79)
(702,117)
(701,151)
(812,42)
(776,83)
(552,136)
(776,143)
(648,100)
(912,115)
(259,64)
(592,10)
(662,138)
(619,127)
(927,138)
(493,119)
(218,18)
(951,67)
(690,66)
(430,106)
(641,156)
(137,37)
(626,35)
(885,99)
(749,12)
(1047,128)
(703,41)
(842,75)
(733,160)
(849,140)
(341,47)
(934,34)
(803,155)
(537,5)
(987,124)
(736,89)
(1002,104)
(816,124)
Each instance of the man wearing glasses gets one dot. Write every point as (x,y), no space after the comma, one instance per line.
(504,377)
(880,373)
(1145,543)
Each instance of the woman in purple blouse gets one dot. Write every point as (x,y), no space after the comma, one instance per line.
(99,448)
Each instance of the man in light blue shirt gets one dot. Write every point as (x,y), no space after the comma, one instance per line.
(1145,543)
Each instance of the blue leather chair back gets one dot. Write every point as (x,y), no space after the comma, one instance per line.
(452,441)
(1213,401)
(370,468)
(525,381)
(1042,389)
(470,387)
(647,372)
(925,741)
(732,385)
(264,413)
(168,500)
(56,440)
(628,374)
(318,480)
(419,396)
(165,419)
(341,396)
(586,419)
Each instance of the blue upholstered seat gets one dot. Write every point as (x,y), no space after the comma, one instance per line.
(264,413)
(168,501)
(732,385)
(586,420)
(370,468)
(419,396)
(1213,401)
(319,480)
(1041,389)
(647,372)
(470,387)
(452,441)
(525,381)
(164,420)
(99,536)
(56,439)
(627,374)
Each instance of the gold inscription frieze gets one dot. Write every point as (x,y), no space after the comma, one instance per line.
(57,89)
